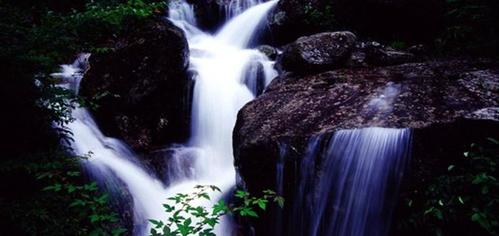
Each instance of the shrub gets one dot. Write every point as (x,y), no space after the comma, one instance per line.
(465,199)
(187,219)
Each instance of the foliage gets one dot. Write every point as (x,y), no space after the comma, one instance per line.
(187,219)
(471,26)
(90,25)
(50,197)
(35,37)
(399,45)
(322,18)
(465,197)
(90,206)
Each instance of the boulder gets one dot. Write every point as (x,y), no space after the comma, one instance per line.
(208,14)
(269,51)
(447,103)
(386,56)
(142,86)
(317,52)
(287,22)
(333,50)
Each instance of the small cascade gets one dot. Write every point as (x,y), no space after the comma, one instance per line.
(233,8)
(349,188)
(240,30)
(182,15)
(259,73)
(182,11)
(110,161)
(222,74)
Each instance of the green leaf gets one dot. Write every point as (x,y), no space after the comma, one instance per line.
(485,189)
(475,217)
(71,188)
(156,223)
(211,222)
(248,212)
(438,214)
(219,207)
(118,231)
(77,202)
(428,210)
(460,199)
(168,208)
(205,196)
(215,188)
(241,194)
(94,218)
(185,228)
(280,201)
(494,141)
(73,173)
(262,203)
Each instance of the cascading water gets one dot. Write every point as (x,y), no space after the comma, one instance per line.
(223,69)
(222,66)
(350,187)
(235,7)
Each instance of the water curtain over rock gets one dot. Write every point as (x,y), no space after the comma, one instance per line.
(349,185)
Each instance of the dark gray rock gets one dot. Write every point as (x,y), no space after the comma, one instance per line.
(146,84)
(410,95)
(317,52)
(448,104)
(386,56)
(269,51)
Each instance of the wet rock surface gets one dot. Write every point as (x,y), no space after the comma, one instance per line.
(414,95)
(269,51)
(448,103)
(208,13)
(341,49)
(317,52)
(143,87)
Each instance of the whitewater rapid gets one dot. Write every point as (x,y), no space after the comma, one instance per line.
(224,82)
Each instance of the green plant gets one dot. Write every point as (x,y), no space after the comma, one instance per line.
(53,198)
(91,206)
(470,26)
(321,18)
(465,197)
(399,45)
(185,218)
(37,36)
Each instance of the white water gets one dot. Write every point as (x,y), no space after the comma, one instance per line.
(222,65)
(355,188)
(239,31)
(235,7)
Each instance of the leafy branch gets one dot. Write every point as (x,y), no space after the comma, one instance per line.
(187,219)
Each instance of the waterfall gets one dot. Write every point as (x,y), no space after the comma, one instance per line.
(236,7)
(182,11)
(221,89)
(224,76)
(349,188)
(239,31)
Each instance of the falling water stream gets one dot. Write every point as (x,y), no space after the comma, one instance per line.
(345,188)
(348,184)
(224,70)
